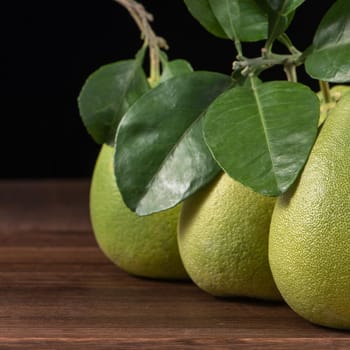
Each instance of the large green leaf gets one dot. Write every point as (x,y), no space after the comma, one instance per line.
(202,12)
(330,58)
(106,96)
(261,135)
(161,157)
(242,20)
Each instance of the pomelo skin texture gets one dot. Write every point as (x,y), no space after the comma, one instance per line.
(143,246)
(309,246)
(223,240)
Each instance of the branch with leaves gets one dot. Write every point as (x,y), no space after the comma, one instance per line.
(176,131)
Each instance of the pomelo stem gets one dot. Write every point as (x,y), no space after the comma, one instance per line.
(285,40)
(291,72)
(326,92)
(154,42)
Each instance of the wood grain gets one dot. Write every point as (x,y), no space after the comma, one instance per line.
(57,291)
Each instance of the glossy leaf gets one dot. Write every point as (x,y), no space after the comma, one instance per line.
(161,157)
(261,135)
(281,13)
(107,94)
(175,68)
(278,24)
(284,7)
(242,20)
(330,58)
(203,13)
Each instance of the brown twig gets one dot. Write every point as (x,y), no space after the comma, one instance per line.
(154,42)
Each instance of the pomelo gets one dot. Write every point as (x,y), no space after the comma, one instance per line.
(310,230)
(223,240)
(142,246)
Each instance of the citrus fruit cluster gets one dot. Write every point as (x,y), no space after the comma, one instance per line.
(241,183)
(232,241)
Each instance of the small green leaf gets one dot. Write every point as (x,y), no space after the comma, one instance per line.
(281,13)
(242,20)
(175,68)
(278,24)
(330,58)
(107,94)
(202,12)
(161,157)
(284,7)
(261,135)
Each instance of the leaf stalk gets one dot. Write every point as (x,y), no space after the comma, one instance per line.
(325,90)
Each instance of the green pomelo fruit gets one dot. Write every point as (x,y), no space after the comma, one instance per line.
(309,246)
(143,246)
(223,240)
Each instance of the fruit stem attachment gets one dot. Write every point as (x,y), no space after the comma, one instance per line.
(154,42)
(290,71)
(326,92)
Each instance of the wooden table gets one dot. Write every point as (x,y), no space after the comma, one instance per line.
(57,291)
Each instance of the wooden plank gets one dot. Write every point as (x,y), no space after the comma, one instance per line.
(44,205)
(58,291)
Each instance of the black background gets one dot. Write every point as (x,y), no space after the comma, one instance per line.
(48,48)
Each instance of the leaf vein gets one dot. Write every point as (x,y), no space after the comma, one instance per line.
(265,129)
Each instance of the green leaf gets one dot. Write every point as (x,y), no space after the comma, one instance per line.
(242,20)
(284,7)
(107,94)
(161,157)
(261,135)
(330,58)
(175,68)
(202,12)
(281,13)
(278,24)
